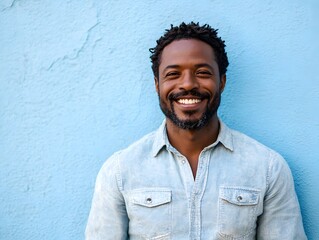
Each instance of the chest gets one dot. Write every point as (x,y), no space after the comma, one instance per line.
(164,199)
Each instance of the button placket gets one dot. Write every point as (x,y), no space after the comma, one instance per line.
(182,159)
(197,194)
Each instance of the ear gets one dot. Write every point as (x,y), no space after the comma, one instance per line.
(222,83)
(156,85)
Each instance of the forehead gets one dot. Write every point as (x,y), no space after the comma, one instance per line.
(187,51)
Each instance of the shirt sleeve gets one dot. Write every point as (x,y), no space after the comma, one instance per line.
(281,218)
(108,217)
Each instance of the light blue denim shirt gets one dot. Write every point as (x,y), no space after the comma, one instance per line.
(242,190)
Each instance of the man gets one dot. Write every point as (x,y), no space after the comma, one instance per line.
(194,178)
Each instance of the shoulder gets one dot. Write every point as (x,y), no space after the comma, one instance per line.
(251,152)
(127,157)
(254,151)
(138,149)
(242,140)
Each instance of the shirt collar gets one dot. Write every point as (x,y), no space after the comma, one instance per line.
(225,137)
(160,139)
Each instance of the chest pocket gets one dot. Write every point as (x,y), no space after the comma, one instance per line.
(237,211)
(150,213)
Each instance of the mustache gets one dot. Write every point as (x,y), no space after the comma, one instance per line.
(193,92)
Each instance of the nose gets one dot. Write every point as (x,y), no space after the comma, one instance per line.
(188,82)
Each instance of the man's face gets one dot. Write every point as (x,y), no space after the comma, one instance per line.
(189,84)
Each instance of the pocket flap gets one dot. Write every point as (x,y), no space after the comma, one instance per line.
(239,196)
(151,198)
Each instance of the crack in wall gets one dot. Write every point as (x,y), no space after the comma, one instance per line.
(13,3)
(78,51)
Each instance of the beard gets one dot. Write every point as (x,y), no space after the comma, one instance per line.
(188,124)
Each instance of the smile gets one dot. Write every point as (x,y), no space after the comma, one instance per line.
(189,101)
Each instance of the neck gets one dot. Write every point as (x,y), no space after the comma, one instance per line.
(191,142)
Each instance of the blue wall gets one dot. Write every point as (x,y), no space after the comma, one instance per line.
(76,85)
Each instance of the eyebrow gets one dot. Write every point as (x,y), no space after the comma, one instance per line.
(196,65)
(170,66)
(204,65)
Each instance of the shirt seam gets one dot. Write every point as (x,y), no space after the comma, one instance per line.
(269,170)
(118,174)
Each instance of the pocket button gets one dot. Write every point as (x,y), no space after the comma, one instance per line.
(148,200)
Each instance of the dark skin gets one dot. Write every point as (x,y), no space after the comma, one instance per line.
(190,64)
(190,143)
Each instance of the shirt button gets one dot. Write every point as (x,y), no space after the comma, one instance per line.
(148,200)
(239,198)
(183,161)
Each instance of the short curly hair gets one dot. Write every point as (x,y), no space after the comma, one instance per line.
(192,30)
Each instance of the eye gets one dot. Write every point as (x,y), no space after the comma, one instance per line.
(172,74)
(204,73)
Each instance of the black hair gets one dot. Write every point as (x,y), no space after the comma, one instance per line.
(192,30)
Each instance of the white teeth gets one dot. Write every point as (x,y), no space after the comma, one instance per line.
(188,101)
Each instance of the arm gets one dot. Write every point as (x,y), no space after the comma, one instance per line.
(108,218)
(281,218)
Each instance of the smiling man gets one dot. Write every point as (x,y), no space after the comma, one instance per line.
(194,178)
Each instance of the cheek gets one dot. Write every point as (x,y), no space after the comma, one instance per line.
(211,87)
(165,89)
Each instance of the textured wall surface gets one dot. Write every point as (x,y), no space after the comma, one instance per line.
(76,85)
